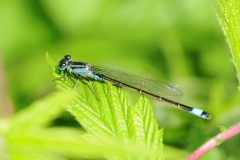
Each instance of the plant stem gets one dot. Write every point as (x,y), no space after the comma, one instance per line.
(215,141)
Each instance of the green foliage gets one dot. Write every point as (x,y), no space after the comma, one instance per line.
(177,41)
(28,136)
(230,22)
(111,115)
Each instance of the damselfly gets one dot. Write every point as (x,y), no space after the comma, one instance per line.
(161,91)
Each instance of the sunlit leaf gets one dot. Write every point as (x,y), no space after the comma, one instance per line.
(110,114)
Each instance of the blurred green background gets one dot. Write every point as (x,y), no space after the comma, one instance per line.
(178,41)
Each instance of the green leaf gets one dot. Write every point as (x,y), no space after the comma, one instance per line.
(38,115)
(27,136)
(111,115)
(230,21)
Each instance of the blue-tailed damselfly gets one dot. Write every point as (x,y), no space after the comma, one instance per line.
(156,89)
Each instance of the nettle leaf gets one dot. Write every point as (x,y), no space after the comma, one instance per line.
(229,19)
(111,115)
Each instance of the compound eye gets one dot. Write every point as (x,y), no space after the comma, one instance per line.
(62,65)
(67,57)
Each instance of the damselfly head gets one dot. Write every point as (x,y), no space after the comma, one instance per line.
(62,64)
(67,57)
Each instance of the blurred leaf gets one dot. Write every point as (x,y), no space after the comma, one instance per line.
(38,115)
(177,153)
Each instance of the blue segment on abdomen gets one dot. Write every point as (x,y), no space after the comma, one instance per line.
(85,73)
(197,112)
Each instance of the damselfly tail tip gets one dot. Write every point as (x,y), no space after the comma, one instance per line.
(200,113)
(206,115)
